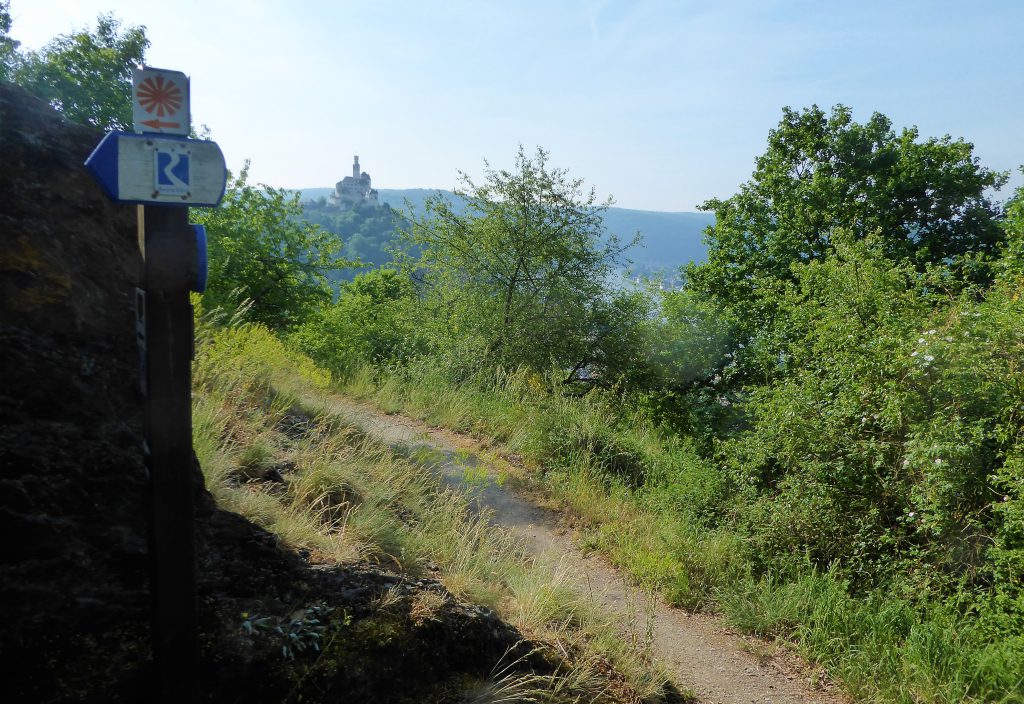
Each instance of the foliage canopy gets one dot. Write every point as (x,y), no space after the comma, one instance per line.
(8,46)
(925,201)
(367,230)
(86,75)
(264,257)
(373,321)
(522,273)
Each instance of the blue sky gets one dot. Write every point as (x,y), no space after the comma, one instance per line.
(660,104)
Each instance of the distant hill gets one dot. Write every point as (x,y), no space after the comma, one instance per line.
(670,239)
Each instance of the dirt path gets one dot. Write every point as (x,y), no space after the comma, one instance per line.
(697,649)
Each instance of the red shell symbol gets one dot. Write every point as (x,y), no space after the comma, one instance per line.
(160,96)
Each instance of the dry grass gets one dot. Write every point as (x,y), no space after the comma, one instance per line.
(342,498)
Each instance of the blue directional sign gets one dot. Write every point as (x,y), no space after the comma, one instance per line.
(159,169)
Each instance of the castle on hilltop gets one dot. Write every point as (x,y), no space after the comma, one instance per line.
(354,190)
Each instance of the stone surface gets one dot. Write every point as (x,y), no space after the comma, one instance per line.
(74,557)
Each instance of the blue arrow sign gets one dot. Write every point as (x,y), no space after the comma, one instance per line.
(164,169)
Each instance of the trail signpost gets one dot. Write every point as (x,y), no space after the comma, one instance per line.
(164,172)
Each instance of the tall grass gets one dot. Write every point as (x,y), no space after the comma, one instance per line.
(652,505)
(341,497)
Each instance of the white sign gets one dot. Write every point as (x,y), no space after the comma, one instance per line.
(160,101)
(175,171)
(148,168)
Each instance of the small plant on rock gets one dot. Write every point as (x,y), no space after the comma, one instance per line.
(304,631)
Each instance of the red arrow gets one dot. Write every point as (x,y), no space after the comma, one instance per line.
(157,124)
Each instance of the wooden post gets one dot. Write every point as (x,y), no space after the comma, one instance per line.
(169,242)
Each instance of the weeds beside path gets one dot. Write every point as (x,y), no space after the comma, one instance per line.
(701,654)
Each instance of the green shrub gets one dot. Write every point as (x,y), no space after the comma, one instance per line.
(881,441)
(371,323)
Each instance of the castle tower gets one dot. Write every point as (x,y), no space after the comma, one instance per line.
(355,189)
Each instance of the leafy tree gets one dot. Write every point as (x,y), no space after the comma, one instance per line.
(1011,265)
(8,46)
(85,75)
(368,231)
(519,276)
(373,322)
(896,430)
(682,378)
(262,255)
(925,201)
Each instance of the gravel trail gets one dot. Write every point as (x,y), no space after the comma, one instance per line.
(698,650)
